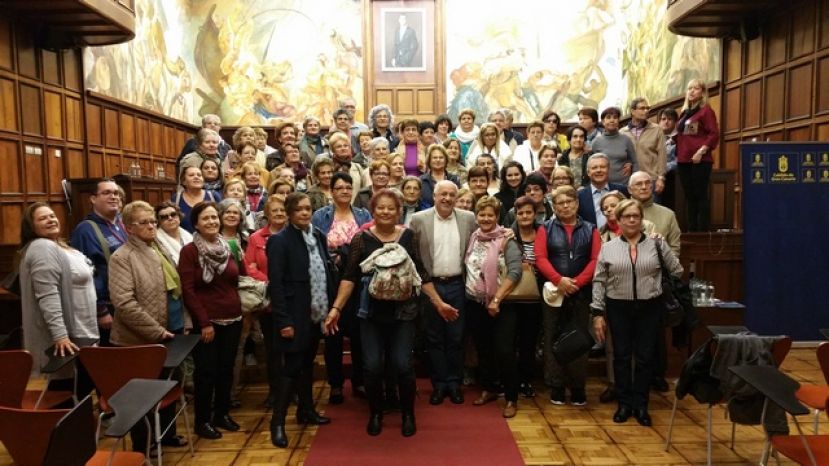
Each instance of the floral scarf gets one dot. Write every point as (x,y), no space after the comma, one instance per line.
(487,284)
(213,256)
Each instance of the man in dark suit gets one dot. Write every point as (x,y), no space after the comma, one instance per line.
(589,197)
(405,45)
(443,234)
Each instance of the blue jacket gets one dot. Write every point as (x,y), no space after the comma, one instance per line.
(85,240)
(587,211)
(324,217)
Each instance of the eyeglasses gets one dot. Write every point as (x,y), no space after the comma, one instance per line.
(343,188)
(565,202)
(631,217)
(164,217)
(149,221)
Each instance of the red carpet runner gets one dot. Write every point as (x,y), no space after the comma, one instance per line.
(450,435)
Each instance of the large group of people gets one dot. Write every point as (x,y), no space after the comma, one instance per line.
(388,234)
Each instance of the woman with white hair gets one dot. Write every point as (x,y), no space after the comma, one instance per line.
(381,121)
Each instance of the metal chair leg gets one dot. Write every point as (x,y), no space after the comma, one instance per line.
(817,420)
(709,433)
(187,424)
(158,447)
(733,432)
(671,425)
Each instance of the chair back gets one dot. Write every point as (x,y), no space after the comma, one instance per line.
(780,349)
(72,442)
(25,433)
(15,370)
(112,367)
(823,359)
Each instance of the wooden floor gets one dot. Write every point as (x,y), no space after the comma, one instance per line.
(545,434)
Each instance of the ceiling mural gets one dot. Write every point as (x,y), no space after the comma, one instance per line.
(537,55)
(251,62)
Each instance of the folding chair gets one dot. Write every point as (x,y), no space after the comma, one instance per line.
(15,370)
(112,367)
(812,395)
(779,352)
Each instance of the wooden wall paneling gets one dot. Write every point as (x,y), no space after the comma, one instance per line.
(34,168)
(8,105)
(170,144)
(10,154)
(56,162)
(95,163)
(823,23)
(753,56)
(722,198)
(51,67)
(799,95)
(731,116)
(31,110)
(822,132)
(773,96)
(71,62)
(53,112)
(384,96)
(822,90)
(733,60)
(26,53)
(75,166)
(156,139)
(111,136)
(803,30)
(94,135)
(12,215)
(426,101)
(74,119)
(752,104)
(730,151)
(6,45)
(774,135)
(127,131)
(142,135)
(114,164)
(775,37)
(802,133)
(404,102)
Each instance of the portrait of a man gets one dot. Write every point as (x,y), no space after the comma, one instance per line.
(402,32)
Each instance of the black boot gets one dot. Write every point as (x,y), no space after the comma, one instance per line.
(407,396)
(305,412)
(284,392)
(374,392)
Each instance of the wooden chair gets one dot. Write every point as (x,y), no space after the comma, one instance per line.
(779,352)
(15,370)
(112,367)
(813,395)
(25,433)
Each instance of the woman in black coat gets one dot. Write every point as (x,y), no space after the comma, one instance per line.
(301,286)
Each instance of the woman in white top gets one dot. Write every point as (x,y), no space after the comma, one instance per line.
(170,235)
(489,141)
(528,153)
(57,291)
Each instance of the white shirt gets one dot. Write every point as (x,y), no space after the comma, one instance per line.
(601,220)
(527,157)
(445,253)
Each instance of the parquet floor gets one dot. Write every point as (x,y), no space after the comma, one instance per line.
(545,434)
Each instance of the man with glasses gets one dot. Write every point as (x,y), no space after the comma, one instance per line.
(649,142)
(99,235)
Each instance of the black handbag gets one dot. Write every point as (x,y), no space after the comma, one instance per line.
(676,295)
(573,341)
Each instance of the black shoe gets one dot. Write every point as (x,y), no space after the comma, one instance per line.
(622,414)
(336,397)
(360,392)
(608,395)
(408,428)
(660,384)
(207,431)
(557,396)
(578,397)
(455,396)
(375,424)
(279,438)
(437,397)
(174,441)
(226,422)
(235,403)
(526,390)
(311,417)
(642,417)
(269,401)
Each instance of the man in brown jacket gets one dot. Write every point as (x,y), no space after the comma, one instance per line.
(649,142)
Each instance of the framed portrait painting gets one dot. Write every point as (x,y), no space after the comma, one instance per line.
(402,39)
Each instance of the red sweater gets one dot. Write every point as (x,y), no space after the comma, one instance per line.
(256,255)
(218,299)
(700,129)
(542,261)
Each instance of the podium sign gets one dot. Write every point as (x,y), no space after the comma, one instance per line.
(786,237)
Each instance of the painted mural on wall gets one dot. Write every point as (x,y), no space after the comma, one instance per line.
(251,62)
(536,55)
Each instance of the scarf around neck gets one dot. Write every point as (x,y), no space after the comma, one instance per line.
(213,256)
(467,137)
(172,281)
(487,284)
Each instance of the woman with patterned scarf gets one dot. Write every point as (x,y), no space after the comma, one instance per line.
(466,132)
(255,193)
(493,322)
(209,281)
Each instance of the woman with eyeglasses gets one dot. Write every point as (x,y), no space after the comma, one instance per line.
(576,156)
(551,122)
(380,172)
(566,248)
(627,289)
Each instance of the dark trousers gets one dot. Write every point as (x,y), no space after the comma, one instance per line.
(695,178)
(528,321)
(388,345)
(574,374)
(273,360)
(495,343)
(634,325)
(444,340)
(349,327)
(299,368)
(213,375)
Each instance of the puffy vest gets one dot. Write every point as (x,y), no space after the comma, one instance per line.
(569,260)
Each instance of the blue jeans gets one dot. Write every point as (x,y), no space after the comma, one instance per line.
(388,345)
(444,340)
(634,325)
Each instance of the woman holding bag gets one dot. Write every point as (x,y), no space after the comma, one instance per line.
(492,320)
(566,248)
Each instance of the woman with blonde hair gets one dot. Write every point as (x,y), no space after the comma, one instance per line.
(246,134)
(436,162)
(255,193)
(489,141)
(453,161)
